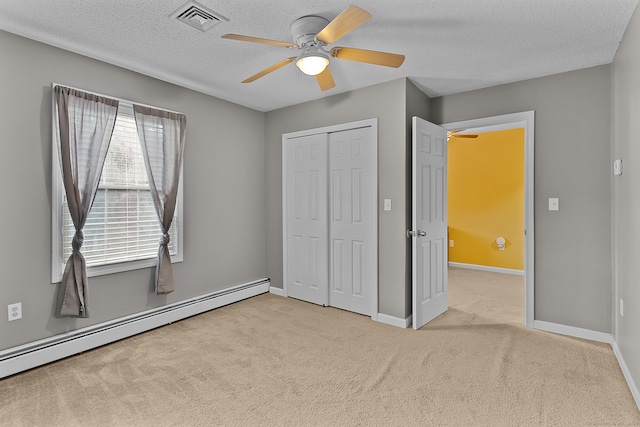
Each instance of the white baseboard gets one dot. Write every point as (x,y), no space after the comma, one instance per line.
(37,353)
(487,268)
(627,374)
(572,331)
(276,291)
(394,321)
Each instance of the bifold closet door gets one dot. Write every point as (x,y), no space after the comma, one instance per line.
(352,223)
(306,216)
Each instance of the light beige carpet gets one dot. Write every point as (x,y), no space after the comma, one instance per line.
(276,361)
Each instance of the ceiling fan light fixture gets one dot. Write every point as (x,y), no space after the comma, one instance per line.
(312,62)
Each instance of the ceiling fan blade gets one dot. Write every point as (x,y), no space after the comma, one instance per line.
(348,20)
(455,134)
(325,80)
(369,56)
(269,70)
(258,40)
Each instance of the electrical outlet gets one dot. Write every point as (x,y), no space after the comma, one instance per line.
(451,243)
(14,311)
(621,308)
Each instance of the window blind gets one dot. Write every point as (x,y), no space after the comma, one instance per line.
(122,224)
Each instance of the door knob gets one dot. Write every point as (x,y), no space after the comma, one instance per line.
(419,233)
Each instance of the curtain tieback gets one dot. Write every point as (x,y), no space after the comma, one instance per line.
(164,241)
(78,240)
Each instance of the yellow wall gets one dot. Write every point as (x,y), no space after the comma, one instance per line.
(486,199)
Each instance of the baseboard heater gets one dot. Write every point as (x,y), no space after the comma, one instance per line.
(37,353)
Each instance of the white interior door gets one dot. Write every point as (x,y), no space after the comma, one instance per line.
(429,222)
(306,216)
(352,204)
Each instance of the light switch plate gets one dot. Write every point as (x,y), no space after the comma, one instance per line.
(554,204)
(617,167)
(387,204)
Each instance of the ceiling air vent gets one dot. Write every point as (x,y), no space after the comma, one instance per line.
(198,16)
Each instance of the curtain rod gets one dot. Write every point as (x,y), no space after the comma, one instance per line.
(126,101)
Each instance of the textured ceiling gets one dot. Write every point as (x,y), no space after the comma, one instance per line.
(451,45)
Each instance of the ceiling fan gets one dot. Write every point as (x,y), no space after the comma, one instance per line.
(312,34)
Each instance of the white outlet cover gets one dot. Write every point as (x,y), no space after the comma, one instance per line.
(14,311)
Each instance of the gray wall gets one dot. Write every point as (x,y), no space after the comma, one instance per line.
(572,162)
(224,224)
(386,102)
(626,195)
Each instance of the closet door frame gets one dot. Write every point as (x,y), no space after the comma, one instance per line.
(373,124)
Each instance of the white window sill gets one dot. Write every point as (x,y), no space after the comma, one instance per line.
(103,270)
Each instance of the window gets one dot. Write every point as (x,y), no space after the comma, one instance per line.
(122,231)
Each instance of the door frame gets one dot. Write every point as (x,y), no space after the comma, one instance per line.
(373,124)
(524,120)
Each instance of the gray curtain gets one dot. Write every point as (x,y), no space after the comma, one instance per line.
(162,137)
(85,124)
